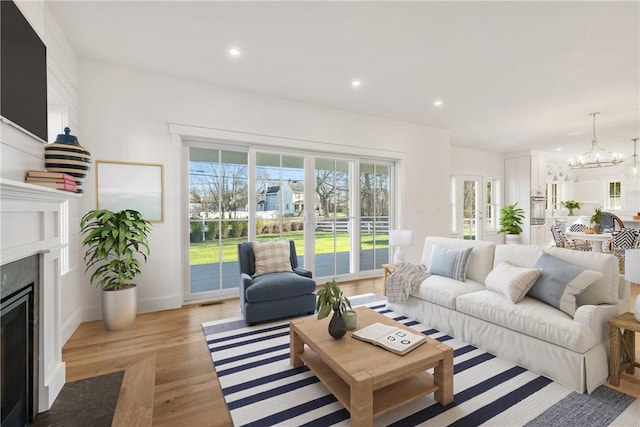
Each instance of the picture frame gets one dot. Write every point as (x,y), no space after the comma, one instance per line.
(130,185)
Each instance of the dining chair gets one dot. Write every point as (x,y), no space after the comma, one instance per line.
(621,240)
(611,222)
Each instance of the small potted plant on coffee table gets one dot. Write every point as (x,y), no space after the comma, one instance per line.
(330,298)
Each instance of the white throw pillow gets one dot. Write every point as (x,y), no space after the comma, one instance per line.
(272,257)
(511,281)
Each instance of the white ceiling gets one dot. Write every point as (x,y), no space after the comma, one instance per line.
(512,75)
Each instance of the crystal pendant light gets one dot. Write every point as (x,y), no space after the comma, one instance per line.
(633,169)
(595,157)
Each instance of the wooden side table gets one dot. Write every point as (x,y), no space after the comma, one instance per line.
(622,352)
(387,269)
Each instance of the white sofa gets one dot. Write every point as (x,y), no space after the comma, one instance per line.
(531,333)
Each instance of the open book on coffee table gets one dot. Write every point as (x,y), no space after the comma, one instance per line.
(396,340)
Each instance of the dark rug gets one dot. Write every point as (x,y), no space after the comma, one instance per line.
(84,403)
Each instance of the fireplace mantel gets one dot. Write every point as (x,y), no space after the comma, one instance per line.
(31,224)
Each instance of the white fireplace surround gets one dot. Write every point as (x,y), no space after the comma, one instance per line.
(30,223)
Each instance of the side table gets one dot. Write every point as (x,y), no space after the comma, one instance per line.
(622,352)
(387,269)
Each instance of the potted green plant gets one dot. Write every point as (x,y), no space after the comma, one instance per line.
(511,219)
(596,220)
(114,239)
(571,205)
(331,298)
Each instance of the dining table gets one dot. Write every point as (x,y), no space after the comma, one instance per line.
(595,239)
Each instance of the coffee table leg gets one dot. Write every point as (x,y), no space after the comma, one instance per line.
(443,377)
(361,400)
(296,346)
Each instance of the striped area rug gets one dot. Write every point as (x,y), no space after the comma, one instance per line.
(262,389)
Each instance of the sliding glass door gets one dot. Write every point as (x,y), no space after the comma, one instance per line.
(337,210)
(218,219)
(334,221)
(280,199)
(375,189)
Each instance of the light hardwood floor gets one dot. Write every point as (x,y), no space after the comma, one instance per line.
(168,348)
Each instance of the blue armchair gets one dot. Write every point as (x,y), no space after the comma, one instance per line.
(274,295)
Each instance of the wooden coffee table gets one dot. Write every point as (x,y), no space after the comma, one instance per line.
(366,379)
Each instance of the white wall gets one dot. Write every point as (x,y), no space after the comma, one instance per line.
(124,114)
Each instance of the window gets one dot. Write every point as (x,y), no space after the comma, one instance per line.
(64,237)
(553,202)
(452,200)
(614,195)
(491,210)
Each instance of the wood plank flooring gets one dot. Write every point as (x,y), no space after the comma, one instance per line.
(186,390)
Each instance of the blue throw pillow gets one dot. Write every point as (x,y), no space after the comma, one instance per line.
(560,283)
(449,262)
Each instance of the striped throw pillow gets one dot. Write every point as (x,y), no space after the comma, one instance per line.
(511,281)
(272,257)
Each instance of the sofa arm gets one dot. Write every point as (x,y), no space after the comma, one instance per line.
(302,272)
(596,317)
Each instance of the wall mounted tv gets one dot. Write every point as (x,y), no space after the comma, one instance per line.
(23,72)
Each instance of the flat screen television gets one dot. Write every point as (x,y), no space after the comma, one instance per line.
(23,72)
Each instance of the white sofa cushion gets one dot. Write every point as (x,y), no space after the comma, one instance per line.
(480,260)
(530,317)
(511,281)
(444,291)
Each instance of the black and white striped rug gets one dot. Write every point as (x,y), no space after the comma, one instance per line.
(262,389)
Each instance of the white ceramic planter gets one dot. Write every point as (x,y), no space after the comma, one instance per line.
(512,239)
(119,308)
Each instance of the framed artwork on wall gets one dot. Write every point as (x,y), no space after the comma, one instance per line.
(124,185)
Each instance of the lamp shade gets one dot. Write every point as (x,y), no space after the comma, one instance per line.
(632,273)
(632,265)
(400,238)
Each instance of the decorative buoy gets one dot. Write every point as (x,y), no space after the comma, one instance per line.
(68,156)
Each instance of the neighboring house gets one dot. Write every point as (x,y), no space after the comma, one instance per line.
(278,198)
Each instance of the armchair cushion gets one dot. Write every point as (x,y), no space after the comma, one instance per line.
(277,286)
(272,257)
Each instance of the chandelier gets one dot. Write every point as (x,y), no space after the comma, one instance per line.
(633,170)
(595,157)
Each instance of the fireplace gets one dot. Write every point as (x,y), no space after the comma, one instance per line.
(30,245)
(19,342)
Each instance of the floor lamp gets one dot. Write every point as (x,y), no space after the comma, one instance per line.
(632,273)
(400,239)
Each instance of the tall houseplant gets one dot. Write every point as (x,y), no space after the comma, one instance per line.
(511,220)
(114,240)
(331,298)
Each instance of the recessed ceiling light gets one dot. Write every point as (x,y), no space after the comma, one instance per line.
(234,52)
(558,148)
(356,83)
(437,102)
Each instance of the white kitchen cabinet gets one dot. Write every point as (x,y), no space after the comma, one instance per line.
(538,173)
(539,235)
